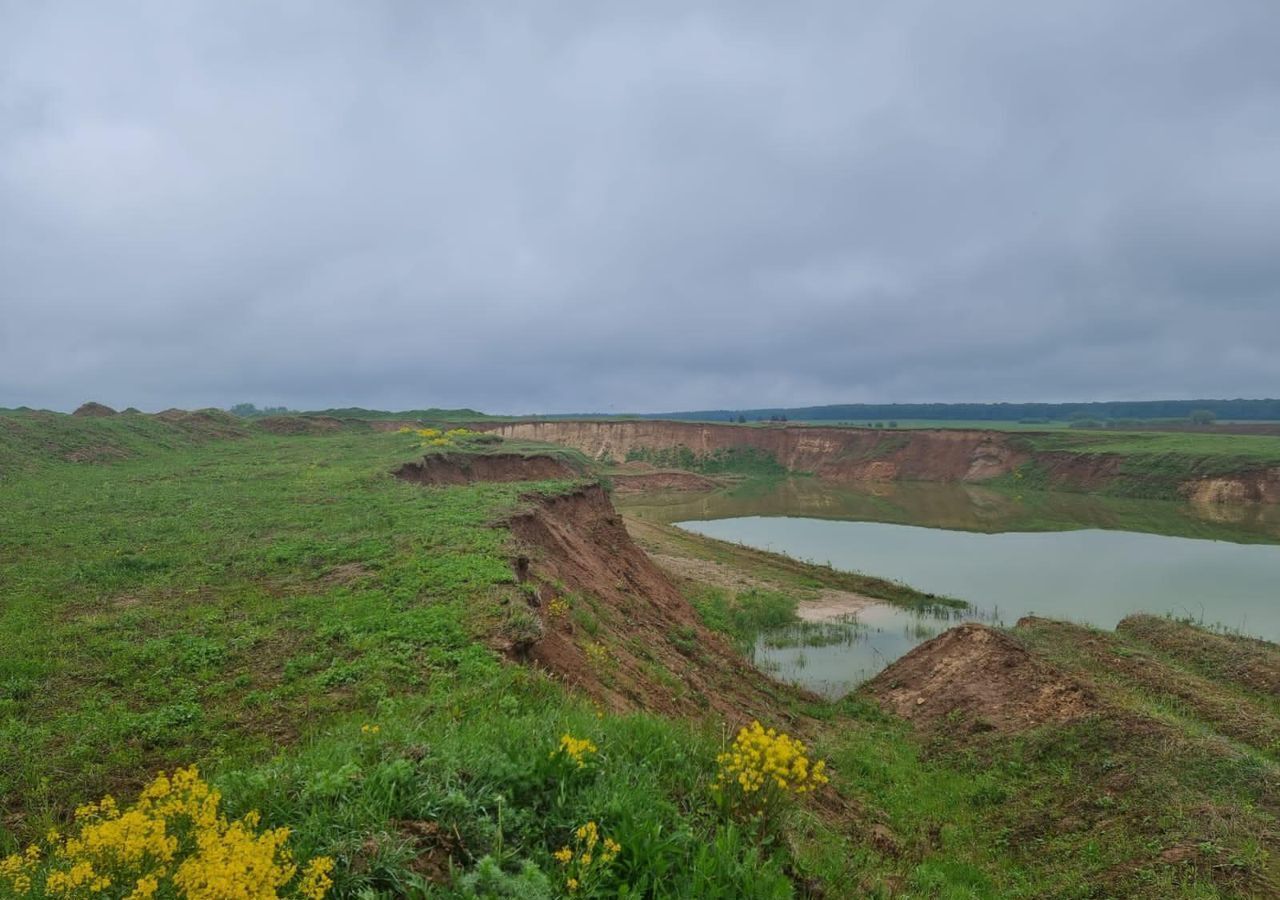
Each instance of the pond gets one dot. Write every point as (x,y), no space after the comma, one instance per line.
(1083,558)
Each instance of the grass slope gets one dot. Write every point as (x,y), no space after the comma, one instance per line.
(248,602)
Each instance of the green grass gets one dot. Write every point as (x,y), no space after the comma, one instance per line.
(1218,451)
(731,461)
(248,602)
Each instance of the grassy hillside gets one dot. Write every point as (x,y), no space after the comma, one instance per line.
(322,640)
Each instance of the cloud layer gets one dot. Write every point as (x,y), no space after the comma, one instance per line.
(593,205)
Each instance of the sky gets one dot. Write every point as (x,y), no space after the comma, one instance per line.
(606,206)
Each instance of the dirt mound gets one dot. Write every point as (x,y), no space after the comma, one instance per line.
(980,678)
(466,468)
(1251,663)
(661,481)
(94,410)
(206,423)
(611,625)
(299,424)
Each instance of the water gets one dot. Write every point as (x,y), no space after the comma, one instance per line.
(1086,559)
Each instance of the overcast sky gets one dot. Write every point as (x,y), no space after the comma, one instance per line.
(638,206)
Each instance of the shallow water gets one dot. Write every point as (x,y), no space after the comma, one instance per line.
(1074,557)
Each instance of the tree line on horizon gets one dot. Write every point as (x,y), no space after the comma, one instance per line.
(1246,410)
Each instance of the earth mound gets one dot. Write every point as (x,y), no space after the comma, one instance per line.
(466,468)
(980,678)
(94,410)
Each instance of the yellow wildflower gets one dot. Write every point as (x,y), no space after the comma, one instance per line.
(764,765)
(576,749)
(315,882)
(172,840)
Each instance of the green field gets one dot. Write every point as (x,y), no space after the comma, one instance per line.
(198,591)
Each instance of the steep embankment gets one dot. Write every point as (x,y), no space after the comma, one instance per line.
(1218,474)
(836,454)
(611,624)
(467,468)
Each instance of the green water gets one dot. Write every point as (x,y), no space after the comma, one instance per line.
(1069,556)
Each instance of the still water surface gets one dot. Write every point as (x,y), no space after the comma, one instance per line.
(1085,559)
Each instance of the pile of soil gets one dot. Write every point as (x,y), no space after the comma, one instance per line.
(978,678)
(94,410)
(207,423)
(466,468)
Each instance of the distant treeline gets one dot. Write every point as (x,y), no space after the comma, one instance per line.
(1248,410)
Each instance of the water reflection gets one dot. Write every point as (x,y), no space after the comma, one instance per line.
(1071,556)
(964,507)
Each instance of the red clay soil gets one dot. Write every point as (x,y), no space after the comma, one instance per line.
(466,468)
(614,627)
(976,678)
(661,481)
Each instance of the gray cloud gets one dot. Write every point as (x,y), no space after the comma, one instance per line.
(637,206)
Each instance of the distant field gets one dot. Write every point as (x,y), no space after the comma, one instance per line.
(943,423)
(1260,448)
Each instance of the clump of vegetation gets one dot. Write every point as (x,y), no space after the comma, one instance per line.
(587,861)
(762,768)
(745,615)
(173,841)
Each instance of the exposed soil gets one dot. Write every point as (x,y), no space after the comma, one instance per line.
(94,410)
(466,468)
(706,571)
(835,454)
(864,455)
(976,678)
(1258,486)
(661,481)
(206,423)
(613,625)
(831,605)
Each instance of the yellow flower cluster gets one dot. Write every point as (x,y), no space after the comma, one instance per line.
(173,835)
(434,437)
(575,749)
(765,764)
(558,608)
(368,728)
(16,870)
(588,859)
